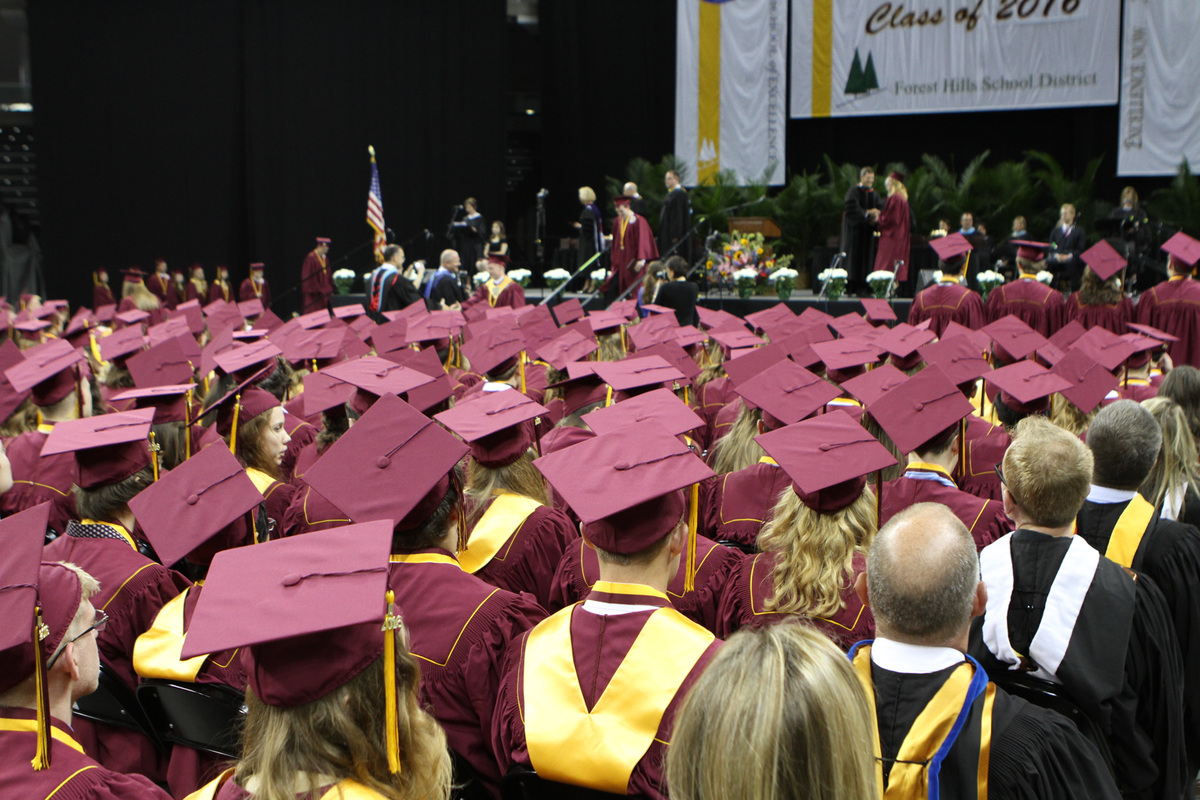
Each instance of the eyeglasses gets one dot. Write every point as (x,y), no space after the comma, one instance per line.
(1004,483)
(97,625)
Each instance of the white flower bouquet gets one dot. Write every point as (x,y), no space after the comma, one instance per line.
(1045,277)
(834,279)
(784,280)
(599,274)
(480,277)
(521,276)
(343,280)
(988,280)
(556,277)
(881,281)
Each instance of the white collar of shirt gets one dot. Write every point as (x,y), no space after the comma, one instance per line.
(913,659)
(490,386)
(614,609)
(1105,496)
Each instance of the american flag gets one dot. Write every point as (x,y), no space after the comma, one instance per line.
(375,212)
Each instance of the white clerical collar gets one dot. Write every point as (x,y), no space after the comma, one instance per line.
(913,659)
(1106,496)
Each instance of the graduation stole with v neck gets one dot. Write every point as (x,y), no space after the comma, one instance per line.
(1130,529)
(616,733)
(916,771)
(156,653)
(347,789)
(494,289)
(504,517)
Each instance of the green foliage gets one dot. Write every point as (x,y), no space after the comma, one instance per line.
(1178,205)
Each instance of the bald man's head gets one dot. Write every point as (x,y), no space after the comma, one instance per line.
(922,576)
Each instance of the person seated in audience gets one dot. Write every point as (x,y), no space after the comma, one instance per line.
(922,582)
(1173,485)
(792,702)
(1058,609)
(949,300)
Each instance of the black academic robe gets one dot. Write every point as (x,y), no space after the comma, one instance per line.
(400,294)
(1170,556)
(1112,650)
(1034,752)
(858,235)
(470,233)
(680,296)
(674,221)
(445,287)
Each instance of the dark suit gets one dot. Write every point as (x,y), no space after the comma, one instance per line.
(1071,242)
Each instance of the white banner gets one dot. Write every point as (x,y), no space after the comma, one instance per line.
(864,57)
(1160,104)
(730,74)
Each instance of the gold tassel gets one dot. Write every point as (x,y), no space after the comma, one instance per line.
(41,759)
(187,425)
(237,406)
(314,365)
(78,394)
(689,577)
(608,397)
(521,361)
(391,623)
(154,448)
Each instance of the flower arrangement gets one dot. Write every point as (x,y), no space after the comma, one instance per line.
(1045,277)
(343,280)
(744,251)
(834,279)
(556,277)
(988,280)
(745,279)
(599,274)
(521,276)
(881,282)
(479,277)
(784,280)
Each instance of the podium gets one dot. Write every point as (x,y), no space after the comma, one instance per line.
(764,225)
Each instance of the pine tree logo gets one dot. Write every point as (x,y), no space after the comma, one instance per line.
(861,81)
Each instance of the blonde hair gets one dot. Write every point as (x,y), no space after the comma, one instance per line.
(737,449)
(797,711)
(587,194)
(1048,472)
(1069,416)
(814,552)
(897,187)
(1175,470)
(520,477)
(612,348)
(143,298)
(342,735)
(712,365)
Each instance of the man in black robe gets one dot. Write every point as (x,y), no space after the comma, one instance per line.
(1119,522)
(470,232)
(922,583)
(860,212)
(443,289)
(675,220)
(1062,612)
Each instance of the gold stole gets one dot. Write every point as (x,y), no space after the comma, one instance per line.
(494,290)
(30,726)
(909,777)
(156,653)
(261,480)
(1130,529)
(347,789)
(504,517)
(611,739)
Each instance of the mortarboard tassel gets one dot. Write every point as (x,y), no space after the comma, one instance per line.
(78,394)
(391,623)
(187,425)
(521,362)
(608,396)
(314,365)
(41,759)
(237,406)
(155,447)
(689,576)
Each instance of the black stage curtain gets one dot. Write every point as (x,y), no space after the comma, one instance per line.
(232,131)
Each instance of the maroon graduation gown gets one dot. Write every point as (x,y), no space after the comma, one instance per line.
(220,290)
(157,315)
(978,467)
(247,292)
(193,291)
(302,435)
(132,591)
(72,774)
(278,496)
(722,421)
(310,511)
(735,506)
(946,302)
(710,399)
(631,242)
(102,296)
(511,296)
(459,629)
(1033,302)
(527,561)
(599,643)
(38,480)
(895,236)
(1137,390)
(307,456)
(1174,306)
(715,566)
(1113,318)
(985,519)
(316,282)
(743,605)
(162,286)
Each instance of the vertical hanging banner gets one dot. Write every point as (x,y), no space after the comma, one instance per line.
(1160,105)
(866,57)
(730,74)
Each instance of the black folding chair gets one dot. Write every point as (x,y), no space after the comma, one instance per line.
(202,716)
(748,549)
(113,703)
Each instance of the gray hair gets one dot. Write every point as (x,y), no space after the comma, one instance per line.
(1125,441)
(922,574)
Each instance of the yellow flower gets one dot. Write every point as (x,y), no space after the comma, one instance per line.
(760,251)
(745,242)
(709,264)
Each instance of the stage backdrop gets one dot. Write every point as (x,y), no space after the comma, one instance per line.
(729,88)
(865,57)
(1160,106)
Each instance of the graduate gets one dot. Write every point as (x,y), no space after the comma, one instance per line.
(1058,609)
(49,640)
(396,464)
(559,709)
(197,286)
(101,292)
(113,465)
(1100,301)
(220,289)
(632,246)
(256,286)
(1027,298)
(815,544)
(949,300)
(162,286)
(1174,305)
(922,582)
(316,280)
